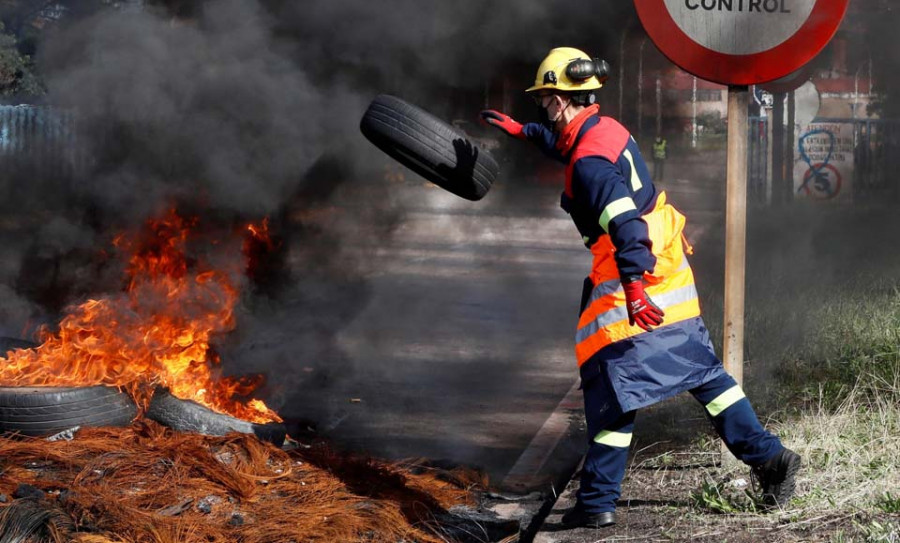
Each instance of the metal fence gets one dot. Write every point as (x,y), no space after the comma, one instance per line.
(758,187)
(875,150)
(876,160)
(37,141)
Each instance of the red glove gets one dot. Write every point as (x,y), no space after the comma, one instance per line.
(503,122)
(641,309)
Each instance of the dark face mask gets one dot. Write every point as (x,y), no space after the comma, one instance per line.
(544,115)
(544,118)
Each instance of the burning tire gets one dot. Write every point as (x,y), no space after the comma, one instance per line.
(189,416)
(39,411)
(10,343)
(430,147)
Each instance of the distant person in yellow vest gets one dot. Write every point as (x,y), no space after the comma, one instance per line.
(659,158)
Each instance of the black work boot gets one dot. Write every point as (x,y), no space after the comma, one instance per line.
(776,477)
(577,517)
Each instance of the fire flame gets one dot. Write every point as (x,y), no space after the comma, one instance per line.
(156,332)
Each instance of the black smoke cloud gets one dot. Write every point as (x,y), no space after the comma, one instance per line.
(414,43)
(249,108)
(200,112)
(229,108)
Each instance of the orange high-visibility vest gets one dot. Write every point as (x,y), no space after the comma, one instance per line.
(670,285)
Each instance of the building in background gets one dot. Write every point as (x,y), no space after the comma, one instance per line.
(835,133)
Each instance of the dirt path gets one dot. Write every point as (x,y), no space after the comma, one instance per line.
(657,505)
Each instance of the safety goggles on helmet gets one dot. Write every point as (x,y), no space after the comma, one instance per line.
(539,99)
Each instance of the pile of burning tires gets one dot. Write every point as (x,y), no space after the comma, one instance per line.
(437,151)
(47,411)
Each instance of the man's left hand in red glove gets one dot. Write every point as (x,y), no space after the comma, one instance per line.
(641,309)
(504,122)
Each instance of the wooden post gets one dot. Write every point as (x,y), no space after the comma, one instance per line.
(735,237)
(735,231)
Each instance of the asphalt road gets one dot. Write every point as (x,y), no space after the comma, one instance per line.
(463,348)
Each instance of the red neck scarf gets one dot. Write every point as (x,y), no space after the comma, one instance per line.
(570,132)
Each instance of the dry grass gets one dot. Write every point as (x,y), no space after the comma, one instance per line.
(852,453)
(148,484)
(841,413)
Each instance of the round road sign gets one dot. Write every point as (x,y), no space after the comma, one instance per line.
(740,42)
(822,181)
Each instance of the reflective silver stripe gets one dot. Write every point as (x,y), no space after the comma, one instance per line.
(635,178)
(664,301)
(613,285)
(613,315)
(613,439)
(604,288)
(725,400)
(614,209)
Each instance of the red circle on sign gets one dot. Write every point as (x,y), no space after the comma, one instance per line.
(752,69)
(819,195)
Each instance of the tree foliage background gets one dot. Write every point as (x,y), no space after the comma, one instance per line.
(23,24)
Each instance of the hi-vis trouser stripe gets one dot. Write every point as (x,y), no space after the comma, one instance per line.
(725,400)
(613,439)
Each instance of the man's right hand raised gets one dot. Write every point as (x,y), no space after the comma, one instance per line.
(503,122)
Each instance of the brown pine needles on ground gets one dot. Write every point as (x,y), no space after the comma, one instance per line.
(149,484)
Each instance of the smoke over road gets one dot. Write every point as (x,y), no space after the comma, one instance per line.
(229,109)
(245,109)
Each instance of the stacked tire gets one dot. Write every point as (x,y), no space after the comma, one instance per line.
(40,411)
(44,411)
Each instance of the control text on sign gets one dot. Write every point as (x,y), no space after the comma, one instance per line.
(740,27)
(759,6)
(741,42)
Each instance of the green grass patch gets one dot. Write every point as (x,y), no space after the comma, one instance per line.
(719,498)
(878,531)
(845,421)
(857,350)
(839,409)
(889,503)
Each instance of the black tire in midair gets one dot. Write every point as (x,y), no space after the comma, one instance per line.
(430,147)
(189,416)
(42,411)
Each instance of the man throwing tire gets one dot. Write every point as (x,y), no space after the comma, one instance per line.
(640,337)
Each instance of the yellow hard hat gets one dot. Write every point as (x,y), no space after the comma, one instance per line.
(570,70)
